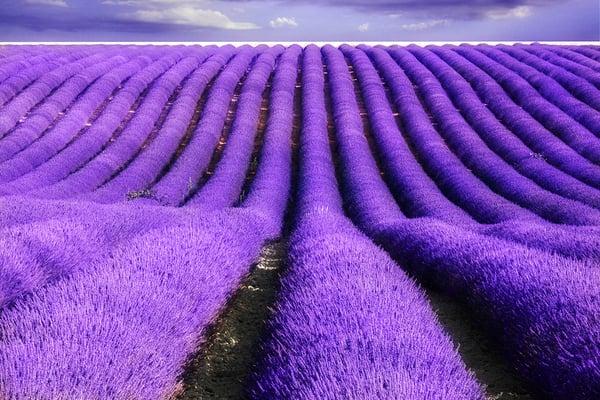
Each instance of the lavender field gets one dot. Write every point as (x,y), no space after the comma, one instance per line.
(141,185)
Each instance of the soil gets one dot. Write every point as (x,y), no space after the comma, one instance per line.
(478,352)
(220,369)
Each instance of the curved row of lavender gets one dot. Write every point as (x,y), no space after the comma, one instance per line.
(542,308)
(390,345)
(129,292)
(138,184)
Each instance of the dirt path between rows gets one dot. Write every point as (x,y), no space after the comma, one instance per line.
(220,369)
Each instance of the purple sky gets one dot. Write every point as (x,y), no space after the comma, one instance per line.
(287,20)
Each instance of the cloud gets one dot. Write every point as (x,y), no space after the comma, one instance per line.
(424,9)
(54,3)
(281,22)
(420,26)
(363,27)
(190,16)
(516,12)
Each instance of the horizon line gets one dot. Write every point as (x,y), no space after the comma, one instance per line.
(304,43)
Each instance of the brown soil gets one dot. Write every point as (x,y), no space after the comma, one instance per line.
(220,369)
(482,356)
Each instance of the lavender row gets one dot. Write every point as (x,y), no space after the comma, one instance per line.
(553,118)
(318,184)
(35,93)
(348,323)
(224,186)
(517,291)
(544,144)
(577,86)
(500,139)
(55,173)
(497,173)
(126,326)
(390,345)
(30,155)
(272,180)
(91,141)
(187,169)
(113,157)
(50,244)
(146,166)
(454,179)
(73,94)
(564,64)
(19,80)
(549,89)
(542,308)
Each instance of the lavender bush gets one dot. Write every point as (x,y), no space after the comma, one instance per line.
(138,185)
(390,346)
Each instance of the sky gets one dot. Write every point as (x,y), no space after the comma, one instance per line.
(299,20)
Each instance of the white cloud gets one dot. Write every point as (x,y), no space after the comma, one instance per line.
(419,26)
(363,27)
(187,15)
(55,3)
(281,22)
(516,12)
